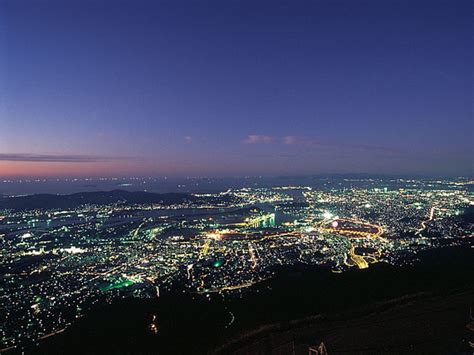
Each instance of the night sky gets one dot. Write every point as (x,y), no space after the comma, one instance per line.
(222,88)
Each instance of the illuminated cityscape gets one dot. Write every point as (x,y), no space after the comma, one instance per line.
(58,263)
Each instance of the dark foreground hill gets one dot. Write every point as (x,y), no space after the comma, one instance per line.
(422,308)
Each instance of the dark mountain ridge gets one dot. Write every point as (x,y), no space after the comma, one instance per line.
(51,201)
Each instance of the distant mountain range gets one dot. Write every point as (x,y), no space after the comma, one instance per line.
(50,201)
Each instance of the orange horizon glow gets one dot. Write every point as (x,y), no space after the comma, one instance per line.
(27,169)
(14,169)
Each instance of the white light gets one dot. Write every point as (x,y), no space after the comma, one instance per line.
(327,215)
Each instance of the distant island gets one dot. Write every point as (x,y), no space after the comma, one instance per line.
(51,201)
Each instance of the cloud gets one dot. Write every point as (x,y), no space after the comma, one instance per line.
(188,139)
(312,143)
(258,139)
(55,158)
(302,141)
(307,142)
(290,140)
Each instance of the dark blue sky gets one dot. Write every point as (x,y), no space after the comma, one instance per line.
(235,87)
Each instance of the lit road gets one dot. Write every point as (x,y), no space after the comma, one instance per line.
(252,257)
(359,260)
(424,223)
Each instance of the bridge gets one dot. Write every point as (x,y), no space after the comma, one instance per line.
(265,220)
